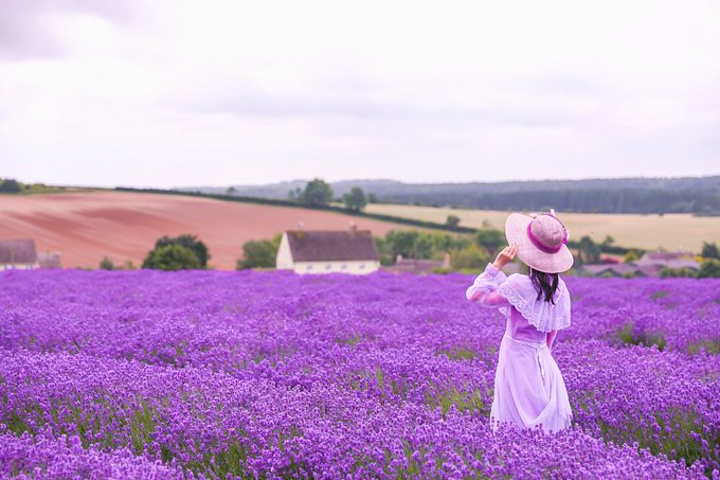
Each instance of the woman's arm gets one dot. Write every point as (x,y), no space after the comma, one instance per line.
(483,289)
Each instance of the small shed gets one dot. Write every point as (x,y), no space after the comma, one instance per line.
(18,254)
(328,251)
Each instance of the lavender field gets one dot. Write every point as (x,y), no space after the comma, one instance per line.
(201,374)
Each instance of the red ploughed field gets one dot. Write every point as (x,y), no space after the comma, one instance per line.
(86,226)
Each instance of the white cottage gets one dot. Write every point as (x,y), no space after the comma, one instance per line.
(324,251)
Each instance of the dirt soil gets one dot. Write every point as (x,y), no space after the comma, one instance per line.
(84,227)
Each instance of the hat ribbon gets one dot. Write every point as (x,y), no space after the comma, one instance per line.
(545,248)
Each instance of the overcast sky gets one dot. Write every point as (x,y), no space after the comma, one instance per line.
(178,93)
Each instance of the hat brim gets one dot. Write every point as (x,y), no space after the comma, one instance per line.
(516,232)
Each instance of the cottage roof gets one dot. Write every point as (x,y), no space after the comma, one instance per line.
(327,245)
(18,251)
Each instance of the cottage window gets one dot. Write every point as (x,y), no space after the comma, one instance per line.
(343,266)
(309,267)
(362,266)
(328,266)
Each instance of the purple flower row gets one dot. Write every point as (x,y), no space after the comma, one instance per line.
(213,424)
(276,374)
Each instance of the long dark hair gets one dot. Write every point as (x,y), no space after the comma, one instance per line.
(546,284)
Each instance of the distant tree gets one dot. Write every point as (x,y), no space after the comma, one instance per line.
(471,258)
(355,199)
(668,272)
(258,254)
(129,265)
(10,186)
(383,248)
(423,247)
(452,221)
(631,256)
(372,198)
(402,242)
(490,239)
(608,242)
(230,191)
(172,257)
(187,241)
(588,251)
(709,268)
(709,250)
(317,193)
(444,242)
(107,264)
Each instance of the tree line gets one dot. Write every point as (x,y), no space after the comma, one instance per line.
(468,253)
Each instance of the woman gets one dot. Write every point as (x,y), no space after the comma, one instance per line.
(529,388)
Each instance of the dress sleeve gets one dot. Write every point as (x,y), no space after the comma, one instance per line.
(483,289)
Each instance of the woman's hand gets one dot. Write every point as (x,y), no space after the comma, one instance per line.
(506,255)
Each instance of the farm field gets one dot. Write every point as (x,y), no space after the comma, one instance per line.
(274,375)
(629,230)
(85,226)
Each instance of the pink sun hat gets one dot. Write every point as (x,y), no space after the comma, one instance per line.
(541,240)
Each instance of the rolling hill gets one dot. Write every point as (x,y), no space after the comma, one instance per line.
(85,226)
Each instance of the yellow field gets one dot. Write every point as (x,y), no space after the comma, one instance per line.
(670,231)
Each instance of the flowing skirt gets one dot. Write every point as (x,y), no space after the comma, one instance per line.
(529,388)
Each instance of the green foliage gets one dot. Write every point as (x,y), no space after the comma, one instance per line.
(188,241)
(472,257)
(355,199)
(709,268)
(383,249)
(424,245)
(588,251)
(13,186)
(107,264)
(607,243)
(628,335)
(452,221)
(372,198)
(259,254)
(710,250)
(631,256)
(490,239)
(402,242)
(230,191)
(710,346)
(172,257)
(10,186)
(317,193)
(668,272)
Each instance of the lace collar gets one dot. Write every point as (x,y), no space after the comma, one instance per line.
(520,292)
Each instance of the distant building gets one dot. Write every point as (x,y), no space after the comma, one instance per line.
(326,251)
(678,259)
(18,254)
(619,270)
(49,260)
(418,266)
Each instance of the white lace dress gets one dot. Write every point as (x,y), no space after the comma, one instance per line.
(529,388)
